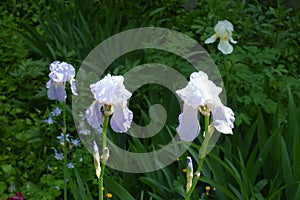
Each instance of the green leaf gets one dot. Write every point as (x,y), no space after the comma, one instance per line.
(155,185)
(287,170)
(118,189)
(3,187)
(260,185)
(7,168)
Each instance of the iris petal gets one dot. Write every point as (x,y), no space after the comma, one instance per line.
(223,118)
(189,127)
(232,40)
(225,47)
(110,90)
(199,91)
(122,118)
(93,115)
(56,91)
(212,39)
(73,87)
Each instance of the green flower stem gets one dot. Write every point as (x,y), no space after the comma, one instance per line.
(100,181)
(202,155)
(227,69)
(64,130)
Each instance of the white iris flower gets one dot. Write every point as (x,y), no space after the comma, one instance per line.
(223,31)
(110,91)
(198,94)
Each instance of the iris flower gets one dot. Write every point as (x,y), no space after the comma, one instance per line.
(223,30)
(202,95)
(61,72)
(110,91)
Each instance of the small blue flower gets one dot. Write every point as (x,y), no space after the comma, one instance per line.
(80,159)
(75,142)
(56,112)
(61,138)
(58,156)
(70,165)
(50,120)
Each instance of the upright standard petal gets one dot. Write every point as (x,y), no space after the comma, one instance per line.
(54,65)
(223,118)
(61,71)
(110,90)
(93,115)
(189,126)
(209,88)
(223,28)
(122,118)
(199,91)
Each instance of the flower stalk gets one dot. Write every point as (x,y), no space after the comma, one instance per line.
(64,130)
(107,110)
(201,161)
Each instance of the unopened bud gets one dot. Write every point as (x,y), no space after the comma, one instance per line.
(105,155)
(189,173)
(96,157)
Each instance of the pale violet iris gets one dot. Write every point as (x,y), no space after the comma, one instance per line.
(223,31)
(110,91)
(201,92)
(61,72)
